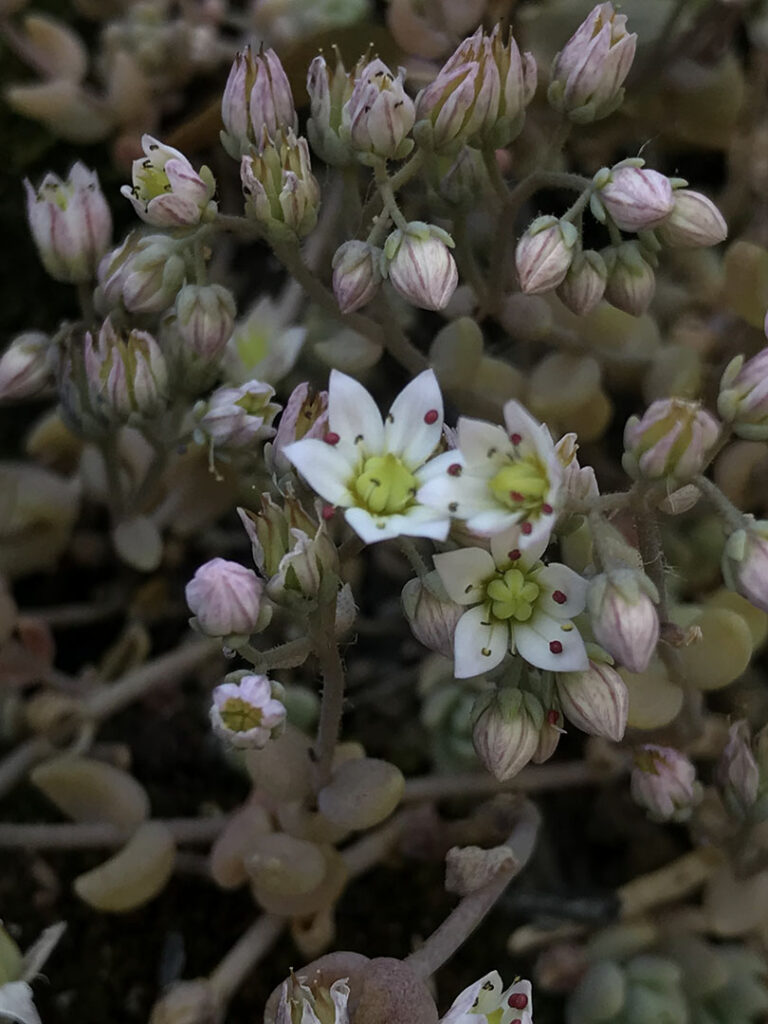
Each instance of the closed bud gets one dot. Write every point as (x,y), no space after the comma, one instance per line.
(549,735)
(672,440)
(589,72)
(281,193)
(378,116)
(738,772)
(362,792)
(743,398)
(246,711)
(25,366)
(225,599)
(195,341)
(257,101)
(70,223)
(664,783)
(745,562)
(356,274)
(622,608)
(144,273)
(237,417)
(167,191)
(506,731)
(544,254)
(305,416)
(583,286)
(419,264)
(126,373)
(635,197)
(431,614)
(631,281)
(596,701)
(329,91)
(694,221)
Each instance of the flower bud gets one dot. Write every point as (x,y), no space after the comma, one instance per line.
(596,701)
(305,416)
(635,197)
(432,618)
(694,221)
(419,265)
(245,712)
(257,102)
(238,417)
(167,191)
(745,562)
(25,366)
(583,286)
(544,254)
(738,772)
(378,116)
(225,599)
(743,398)
(664,783)
(328,91)
(631,281)
(126,373)
(70,223)
(549,736)
(621,605)
(672,439)
(145,273)
(362,792)
(506,731)
(356,274)
(589,72)
(205,317)
(281,192)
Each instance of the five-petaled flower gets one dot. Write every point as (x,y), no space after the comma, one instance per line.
(488,1002)
(245,713)
(498,478)
(374,468)
(167,191)
(518,604)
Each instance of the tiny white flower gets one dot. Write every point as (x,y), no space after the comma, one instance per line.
(167,191)
(498,478)
(303,1002)
(518,604)
(245,713)
(374,468)
(487,1002)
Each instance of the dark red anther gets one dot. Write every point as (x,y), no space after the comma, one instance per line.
(513,555)
(527,528)
(559,596)
(331,437)
(329,511)
(454,469)
(553,718)
(515,438)
(518,1001)
(546,509)
(555,646)
(431,417)
(516,496)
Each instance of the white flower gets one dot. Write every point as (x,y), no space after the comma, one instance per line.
(497,478)
(374,469)
(486,1002)
(304,1003)
(518,605)
(167,191)
(244,713)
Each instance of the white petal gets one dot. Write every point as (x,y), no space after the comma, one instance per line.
(519,421)
(406,431)
(557,578)
(487,522)
(16,1003)
(421,521)
(464,573)
(327,468)
(513,539)
(541,532)
(353,414)
(467,999)
(485,446)
(459,496)
(532,641)
(439,466)
(478,644)
(525,1016)
(370,528)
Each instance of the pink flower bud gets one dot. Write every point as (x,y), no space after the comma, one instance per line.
(379,114)
(506,731)
(432,617)
(544,254)
(225,598)
(356,274)
(144,273)
(257,102)
(167,191)
(329,91)
(589,72)
(70,223)
(622,608)
(743,398)
(631,281)
(596,701)
(738,772)
(25,366)
(672,439)
(664,783)
(694,221)
(126,373)
(419,265)
(549,735)
(635,197)
(245,712)
(238,417)
(583,286)
(745,562)
(205,317)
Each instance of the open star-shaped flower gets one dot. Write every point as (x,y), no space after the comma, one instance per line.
(488,1002)
(496,478)
(518,604)
(374,468)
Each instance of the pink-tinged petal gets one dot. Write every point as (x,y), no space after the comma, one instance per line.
(564,592)
(439,466)
(479,644)
(488,988)
(171,211)
(353,414)
(514,540)
(459,496)
(551,644)
(485,446)
(414,425)
(327,468)
(464,573)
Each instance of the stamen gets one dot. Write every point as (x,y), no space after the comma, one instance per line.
(515,438)
(552,718)
(329,511)
(516,496)
(555,646)
(546,509)
(559,596)
(454,469)
(331,438)
(526,528)
(513,555)
(431,417)
(518,1001)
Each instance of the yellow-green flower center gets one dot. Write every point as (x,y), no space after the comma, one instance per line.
(385,485)
(254,405)
(521,485)
(240,716)
(512,595)
(153,181)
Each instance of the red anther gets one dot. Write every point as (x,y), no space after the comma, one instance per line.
(546,509)
(527,528)
(329,511)
(331,437)
(513,555)
(431,417)
(555,646)
(515,438)
(518,1001)
(559,596)
(553,718)
(516,496)
(454,469)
